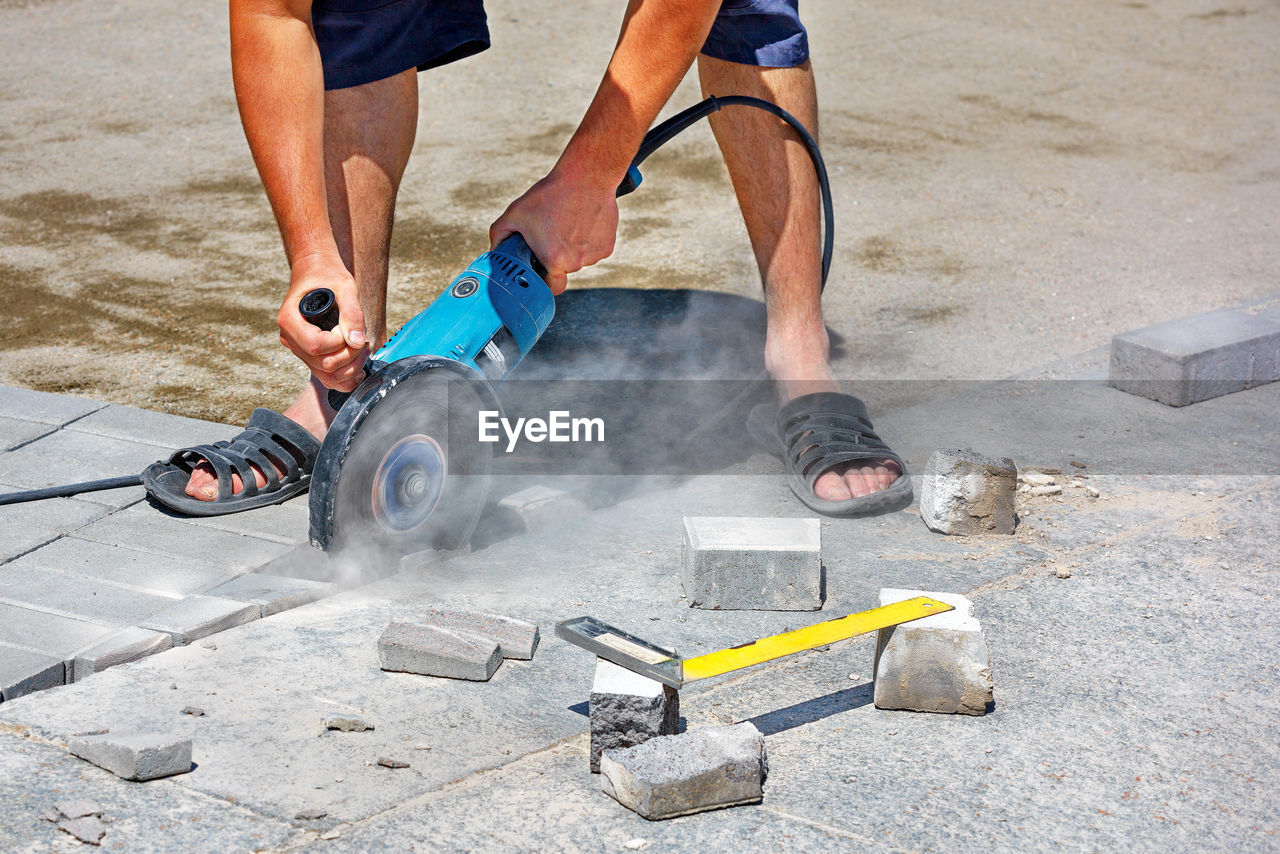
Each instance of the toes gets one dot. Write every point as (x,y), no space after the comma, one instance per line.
(857,483)
(831,487)
(203,484)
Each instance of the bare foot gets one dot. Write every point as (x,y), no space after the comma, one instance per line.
(311,409)
(802,370)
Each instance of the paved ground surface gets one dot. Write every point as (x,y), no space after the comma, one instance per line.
(1013,185)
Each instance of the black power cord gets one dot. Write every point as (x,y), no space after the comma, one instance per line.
(661,134)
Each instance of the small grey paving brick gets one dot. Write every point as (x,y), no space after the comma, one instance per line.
(1192,359)
(75,595)
(153,428)
(433,651)
(964,492)
(135,756)
(674,775)
(131,644)
(935,664)
(123,565)
(196,617)
(540,506)
(145,529)
(273,593)
(347,723)
(44,407)
(88,829)
(70,457)
(628,709)
(49,518)
(516,638)
(14,432)
(752,563)
(23,672)
(61,637)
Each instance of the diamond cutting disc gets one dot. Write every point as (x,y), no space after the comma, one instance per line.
(405,472)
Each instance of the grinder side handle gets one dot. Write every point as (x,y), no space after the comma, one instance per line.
(319,308)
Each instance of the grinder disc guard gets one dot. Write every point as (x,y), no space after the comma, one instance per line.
(400,469)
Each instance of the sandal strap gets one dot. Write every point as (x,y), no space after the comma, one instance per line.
(825,429)
(270,441)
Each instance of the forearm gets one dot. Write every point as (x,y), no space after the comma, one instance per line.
(279,85)
(657,45)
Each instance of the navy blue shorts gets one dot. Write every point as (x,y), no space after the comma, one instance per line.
(365,40)
(759,32)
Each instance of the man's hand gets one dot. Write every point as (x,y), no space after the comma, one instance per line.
(569,222)
(336,357)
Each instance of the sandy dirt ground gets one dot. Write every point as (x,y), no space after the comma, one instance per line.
(1013,184)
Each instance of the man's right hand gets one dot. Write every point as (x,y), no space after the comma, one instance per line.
(336,357)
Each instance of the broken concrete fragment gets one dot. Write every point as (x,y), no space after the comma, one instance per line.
(87,829)
(77,809)
(1196,358)
(964,492)
(347,723)
(628,709)
(433,651)
(193,711)
(135,756)
(129,645)
(1035,478)
(516,638)
(311,815)
(334,832)
(674,775)
(741,563)
(392,763)
(1044,490)
(540,506)
(936,664)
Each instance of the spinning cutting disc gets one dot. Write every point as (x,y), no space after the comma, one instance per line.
(401,469)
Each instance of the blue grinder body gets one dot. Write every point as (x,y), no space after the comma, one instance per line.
(488,318)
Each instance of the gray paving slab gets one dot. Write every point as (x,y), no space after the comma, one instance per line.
(23,671)
(281,523)
(44,407)
(80,596)
(51,634)
(151,818)
(20,539)
(196,617)
(131,644)
(273,593)
(15,432)
(151,428)
(70,457)
(44,520)
(155,573)
(141,527)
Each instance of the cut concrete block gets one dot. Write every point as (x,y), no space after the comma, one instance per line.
(540,506)
(516,638)
(1196,358)
(674,775)
(135,756)
(628,709)
(434,651)
(24,672)
(964,492)
(935,664)
(131,644)
(750,563)
(273,593)
(196,617)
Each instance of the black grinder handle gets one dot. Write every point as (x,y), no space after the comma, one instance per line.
(321,310)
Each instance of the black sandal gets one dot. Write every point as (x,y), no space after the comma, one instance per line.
(270,441)
(816,432)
